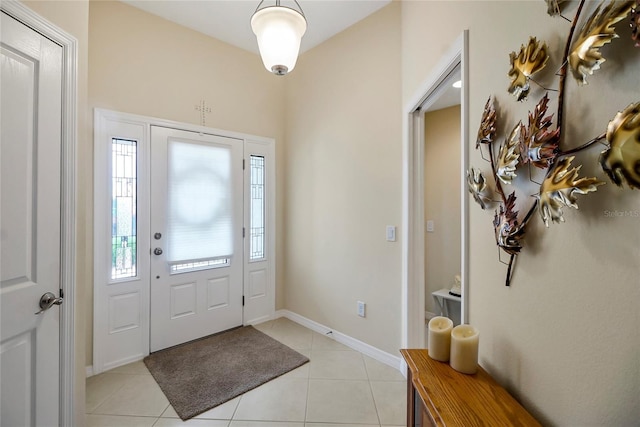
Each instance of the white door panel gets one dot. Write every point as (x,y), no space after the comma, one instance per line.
(31,87)
(121,253)
(196,229)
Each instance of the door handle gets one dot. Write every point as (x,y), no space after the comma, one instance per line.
(47,301)
(157,251)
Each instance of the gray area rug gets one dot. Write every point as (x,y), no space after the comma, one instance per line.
(202,374)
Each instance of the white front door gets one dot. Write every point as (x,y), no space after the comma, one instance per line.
(31,87)
(196,235)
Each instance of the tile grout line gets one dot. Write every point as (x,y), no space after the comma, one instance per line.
(282,332)
(373,397)
(235,409)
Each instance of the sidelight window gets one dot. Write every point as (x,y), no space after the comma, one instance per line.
(256,226)
(123,208)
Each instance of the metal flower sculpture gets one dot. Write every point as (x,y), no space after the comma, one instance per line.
(526,63)
(621,161)
(538,143)
(560,188)
(585,56)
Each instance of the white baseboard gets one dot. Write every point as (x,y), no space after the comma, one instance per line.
(364,348)
(118,363)
(259,320)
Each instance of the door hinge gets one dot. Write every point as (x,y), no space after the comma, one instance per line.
(243,300)
(243,232)
(61,293)
(243,164)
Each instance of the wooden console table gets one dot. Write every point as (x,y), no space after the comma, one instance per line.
(437,395)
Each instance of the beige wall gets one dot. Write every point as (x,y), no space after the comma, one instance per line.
(344,181)
(73,17)
(143,64)
(564,337)
(442,202)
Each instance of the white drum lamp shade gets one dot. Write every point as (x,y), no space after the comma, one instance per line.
(279,31)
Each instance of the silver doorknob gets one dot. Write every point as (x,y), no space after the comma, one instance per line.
(47,301)
(157,251)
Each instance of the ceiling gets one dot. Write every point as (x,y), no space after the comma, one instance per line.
(229,20)
(446,95)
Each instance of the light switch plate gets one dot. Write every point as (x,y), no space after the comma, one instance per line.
(391,233)
(430,226)
(361,308)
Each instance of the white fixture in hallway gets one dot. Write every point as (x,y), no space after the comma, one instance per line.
(279,30)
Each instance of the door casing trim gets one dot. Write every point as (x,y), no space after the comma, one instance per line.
(101,116)
(69,46)
(413,292)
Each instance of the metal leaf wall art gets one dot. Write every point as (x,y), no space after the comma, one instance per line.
(554,7)
(487,131)
(531,59)
(537,142)
(585,56)
(635,23)
(508,230)
(621,160)
(509,156)
(477,185)
(560,187)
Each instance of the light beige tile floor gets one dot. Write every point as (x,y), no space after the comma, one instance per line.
(339,387)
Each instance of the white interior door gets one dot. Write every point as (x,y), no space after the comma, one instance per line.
(196,235)
(31,85)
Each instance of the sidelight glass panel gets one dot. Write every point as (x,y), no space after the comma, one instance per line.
(123,208)
(200,211)
(256,226)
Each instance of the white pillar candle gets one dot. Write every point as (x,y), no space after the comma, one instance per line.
(440,338)
(464,349)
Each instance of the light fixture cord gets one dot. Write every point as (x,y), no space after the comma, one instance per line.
(299,7)
(278,4)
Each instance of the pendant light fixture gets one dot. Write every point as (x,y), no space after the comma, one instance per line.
(279,30)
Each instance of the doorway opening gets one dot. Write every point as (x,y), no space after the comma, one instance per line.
(413,280)
(442,196)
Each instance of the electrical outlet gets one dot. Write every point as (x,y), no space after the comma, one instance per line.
(361,308)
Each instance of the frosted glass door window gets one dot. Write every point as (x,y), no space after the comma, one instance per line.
(200,211)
